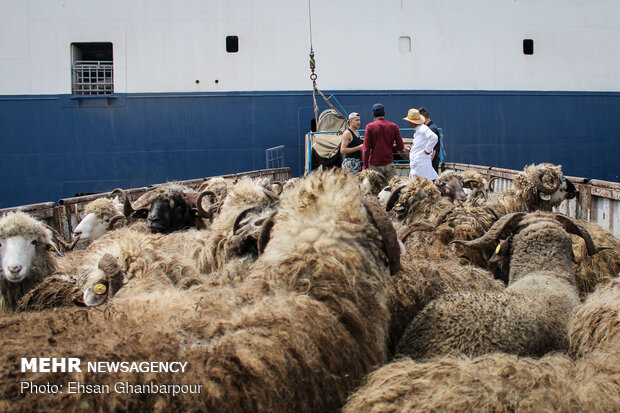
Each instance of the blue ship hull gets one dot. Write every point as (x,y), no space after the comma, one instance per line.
(57,146)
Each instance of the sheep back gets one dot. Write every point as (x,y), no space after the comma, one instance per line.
(596,323)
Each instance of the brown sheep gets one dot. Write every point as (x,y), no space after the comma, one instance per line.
(596,324)
(428,270)
(493,383)
(529,318)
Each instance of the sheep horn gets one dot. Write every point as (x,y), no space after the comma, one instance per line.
(68,246)
(424,226)
(265,232)
(114,220)
(388,233)
(127,207)
(273,197)
(507,223)
(541,187)
(393,198)
(444,214)
(204,213)
(573,227)
(280,187)
(242,215)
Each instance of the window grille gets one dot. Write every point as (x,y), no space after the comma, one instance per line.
(92,77)
(274,157)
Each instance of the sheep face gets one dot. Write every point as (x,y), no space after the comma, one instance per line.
(22,238)
(168,215)
(17,256)
(91,227)
(451,186)
(546,182)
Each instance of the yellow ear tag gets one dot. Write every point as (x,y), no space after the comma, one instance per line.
(398,204)
(499,246)
(99,289)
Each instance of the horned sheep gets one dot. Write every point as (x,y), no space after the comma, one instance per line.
(331,252)
(537,187)
(529,318)
(429,270)
(25,256)
(168,207)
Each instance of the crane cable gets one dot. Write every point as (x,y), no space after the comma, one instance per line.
(313,75)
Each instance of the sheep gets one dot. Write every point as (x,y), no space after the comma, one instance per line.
(529,318)
(592,270)
(417,200)
(373,181)
(538,187)
(100,215)
(167,208)
(233,232)
(596,324)
(312,314)
(25,256)
(152,261)
(429,270)
(496,382)
(319,317)
(450,185)
(477,186)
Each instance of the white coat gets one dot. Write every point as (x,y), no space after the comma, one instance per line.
(420,162)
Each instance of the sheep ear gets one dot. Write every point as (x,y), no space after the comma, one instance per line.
(502,251)
(265,232)
(393,198)
(544,197)
(388,233)
(96,294)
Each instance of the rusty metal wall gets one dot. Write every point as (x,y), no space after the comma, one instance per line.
(67,213)
(597,201)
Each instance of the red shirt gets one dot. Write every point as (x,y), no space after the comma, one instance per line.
(381,139)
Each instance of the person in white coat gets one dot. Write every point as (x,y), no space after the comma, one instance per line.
(424,139)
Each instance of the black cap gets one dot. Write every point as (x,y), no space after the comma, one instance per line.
(378,109)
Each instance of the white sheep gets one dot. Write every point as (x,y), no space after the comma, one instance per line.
(97,219)
(25,256)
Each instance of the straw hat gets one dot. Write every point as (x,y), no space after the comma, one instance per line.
(414,116)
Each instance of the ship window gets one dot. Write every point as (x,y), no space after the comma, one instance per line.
(232,44)
(528,46)
(92,69)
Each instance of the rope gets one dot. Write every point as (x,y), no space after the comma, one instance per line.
(313,76)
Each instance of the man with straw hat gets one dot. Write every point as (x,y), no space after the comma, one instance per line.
(423,142)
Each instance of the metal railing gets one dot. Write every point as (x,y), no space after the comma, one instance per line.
(92,77)
(65,215)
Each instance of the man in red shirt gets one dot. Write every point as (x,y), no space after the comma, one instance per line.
(381,140)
